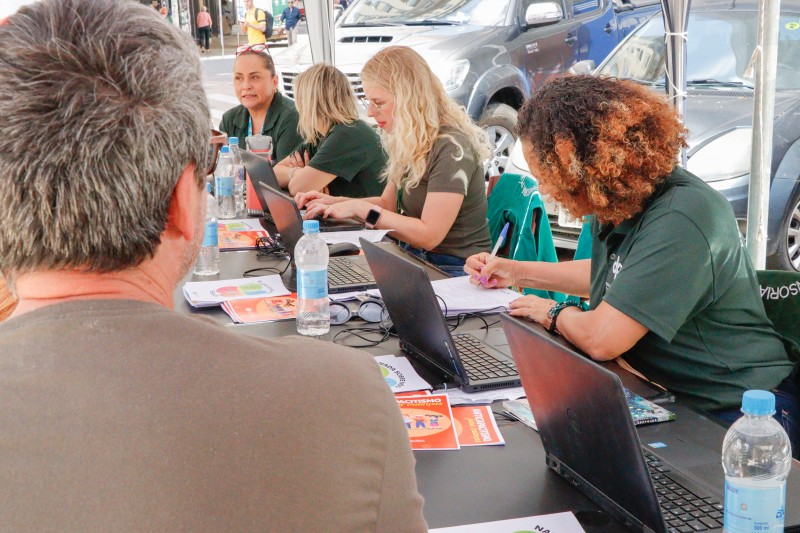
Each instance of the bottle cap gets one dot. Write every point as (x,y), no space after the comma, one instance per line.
(311,226)
(758,402)
(224,150)
(233,140)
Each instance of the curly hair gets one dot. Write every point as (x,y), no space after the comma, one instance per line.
(600,145)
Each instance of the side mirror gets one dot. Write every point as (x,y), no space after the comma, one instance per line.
(582,67)
(543,13)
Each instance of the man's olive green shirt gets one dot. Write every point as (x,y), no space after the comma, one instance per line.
(280,124)
(680,269)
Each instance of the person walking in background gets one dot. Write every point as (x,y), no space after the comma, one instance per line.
(203,28)
(435,195)
(254,23)
(120,414)
(263,108)
(341,152)
(290,18)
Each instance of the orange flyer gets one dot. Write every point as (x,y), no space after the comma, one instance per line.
(239,240)
(255,310)
(429,421)
(476,426)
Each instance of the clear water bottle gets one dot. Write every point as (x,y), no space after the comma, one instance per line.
(311,260)
(238,177)
(208,259)
(756,457)
(223,184)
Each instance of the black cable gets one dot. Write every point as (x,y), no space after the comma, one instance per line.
(361,333)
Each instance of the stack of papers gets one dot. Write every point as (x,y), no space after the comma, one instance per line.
(211,293)
(561,523)
(255,310)
(458,295)
(239,234)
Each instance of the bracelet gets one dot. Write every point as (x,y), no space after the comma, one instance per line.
(292,172)
(556,310)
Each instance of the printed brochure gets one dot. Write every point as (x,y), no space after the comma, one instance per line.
(256,310)
(476,426)
(429,421)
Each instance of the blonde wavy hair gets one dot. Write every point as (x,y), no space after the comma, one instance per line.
(422,109)
(324,98)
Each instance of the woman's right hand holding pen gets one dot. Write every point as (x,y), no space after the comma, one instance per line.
(490,272)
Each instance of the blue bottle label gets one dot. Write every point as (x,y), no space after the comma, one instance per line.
(210,235)
(751,509)
(224,186)
(312,284)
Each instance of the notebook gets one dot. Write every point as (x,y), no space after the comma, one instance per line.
(589,437)
(262,173)
(345,274)
(461,360)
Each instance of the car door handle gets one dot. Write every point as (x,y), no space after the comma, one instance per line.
(609,28)
(571,40)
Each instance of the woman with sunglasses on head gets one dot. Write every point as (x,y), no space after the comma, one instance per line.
(434,199)
(340,152)
(263,109)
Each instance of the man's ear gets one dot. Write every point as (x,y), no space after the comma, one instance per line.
(185,204)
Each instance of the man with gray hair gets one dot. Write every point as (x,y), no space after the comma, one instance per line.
(119,414)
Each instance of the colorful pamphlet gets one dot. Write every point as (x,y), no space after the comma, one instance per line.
(210,293)
(239,234)
(476,426)
(400,375)
(254,310)
(643,411)
(429,421)
(239,240)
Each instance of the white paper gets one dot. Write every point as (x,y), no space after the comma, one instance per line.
(371,235)
(209,293)
(554,523)
(459,397)
(461,296)
(240,224)
(400,375)
(346,296)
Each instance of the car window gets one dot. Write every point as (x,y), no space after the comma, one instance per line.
(719,49)
(417,12)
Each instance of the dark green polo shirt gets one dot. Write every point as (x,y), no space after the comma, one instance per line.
(280,124)
(680,269)
(353,153)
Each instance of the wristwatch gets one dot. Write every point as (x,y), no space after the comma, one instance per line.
(555,310)
(372,216)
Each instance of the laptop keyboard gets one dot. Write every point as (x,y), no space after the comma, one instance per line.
(342,271)
(686,506)
(479,363)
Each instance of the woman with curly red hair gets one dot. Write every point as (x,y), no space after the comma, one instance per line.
(669,284)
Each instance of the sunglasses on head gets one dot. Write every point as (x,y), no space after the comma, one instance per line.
(257,48)
(216,141)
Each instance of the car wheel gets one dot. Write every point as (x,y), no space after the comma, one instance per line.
(787,255)
(499,121)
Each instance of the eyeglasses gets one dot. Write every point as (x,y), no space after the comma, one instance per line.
(217,141)
(371,310)
(257,48)
(368,104)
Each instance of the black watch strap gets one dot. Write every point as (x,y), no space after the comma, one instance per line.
(556,310)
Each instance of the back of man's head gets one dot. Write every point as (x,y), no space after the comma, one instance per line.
(102,108)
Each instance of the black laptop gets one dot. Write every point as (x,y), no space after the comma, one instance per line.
(461,360)
(261,172)
(588,434)
(345,274)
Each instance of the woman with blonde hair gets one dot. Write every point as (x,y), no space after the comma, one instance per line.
(340,152)
(434,198)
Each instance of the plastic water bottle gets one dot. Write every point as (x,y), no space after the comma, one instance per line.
(311,259)
(208,259)
(238,177)
(756,457)
(223,184)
